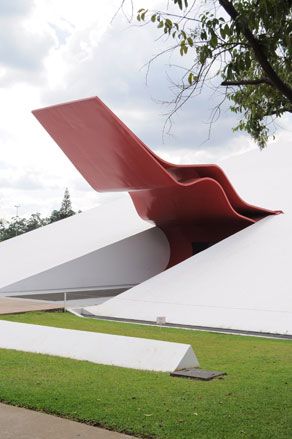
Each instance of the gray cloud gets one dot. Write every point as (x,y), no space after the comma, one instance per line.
(114,73)
(25,182)
(22,51)
(15,8)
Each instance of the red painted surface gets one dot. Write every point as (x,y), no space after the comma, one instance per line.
(192,204)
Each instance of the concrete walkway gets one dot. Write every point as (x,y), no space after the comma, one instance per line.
(19,423)
(11,305)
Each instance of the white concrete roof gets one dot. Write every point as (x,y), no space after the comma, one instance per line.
(243,282)
(63,241)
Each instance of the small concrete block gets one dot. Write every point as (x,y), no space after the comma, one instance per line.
(197,374)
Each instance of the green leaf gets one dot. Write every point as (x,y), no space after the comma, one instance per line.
(168,23)
(227,30)
(222,33)
(192,78)
(204,53)
(213,40)
(203,35)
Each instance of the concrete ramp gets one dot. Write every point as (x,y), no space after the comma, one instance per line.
(108,246)
(243,282)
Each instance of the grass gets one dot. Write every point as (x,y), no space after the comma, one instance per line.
(253,401)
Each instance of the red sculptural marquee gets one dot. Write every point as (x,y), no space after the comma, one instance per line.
(195,205)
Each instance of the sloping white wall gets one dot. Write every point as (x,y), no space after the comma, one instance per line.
(126,262)
(243,282)
(96,247)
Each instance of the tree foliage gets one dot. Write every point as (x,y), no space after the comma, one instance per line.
(246,43)
(18,226)
(65,210)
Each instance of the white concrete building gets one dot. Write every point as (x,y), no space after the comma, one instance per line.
(243,282)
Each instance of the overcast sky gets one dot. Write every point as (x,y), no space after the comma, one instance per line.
(53,51)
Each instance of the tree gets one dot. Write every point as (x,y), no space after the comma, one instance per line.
(65,209)
(18,226)
(66,206)
(35,221)
(246,43)
(9,229)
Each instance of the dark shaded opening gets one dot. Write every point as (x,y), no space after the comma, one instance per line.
(198,247)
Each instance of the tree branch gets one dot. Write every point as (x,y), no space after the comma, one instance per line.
(181,17)
(248,82)
(257,49)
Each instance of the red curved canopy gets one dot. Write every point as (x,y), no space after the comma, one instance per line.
(195,205)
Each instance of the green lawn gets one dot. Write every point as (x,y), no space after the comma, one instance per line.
(253,401)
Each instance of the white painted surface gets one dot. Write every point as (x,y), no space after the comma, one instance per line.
(243,282)
(126,262)
(108,245)
(114,350)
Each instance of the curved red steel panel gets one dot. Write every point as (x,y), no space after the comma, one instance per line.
(195,205)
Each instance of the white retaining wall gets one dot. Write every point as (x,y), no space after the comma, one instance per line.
(114,350)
